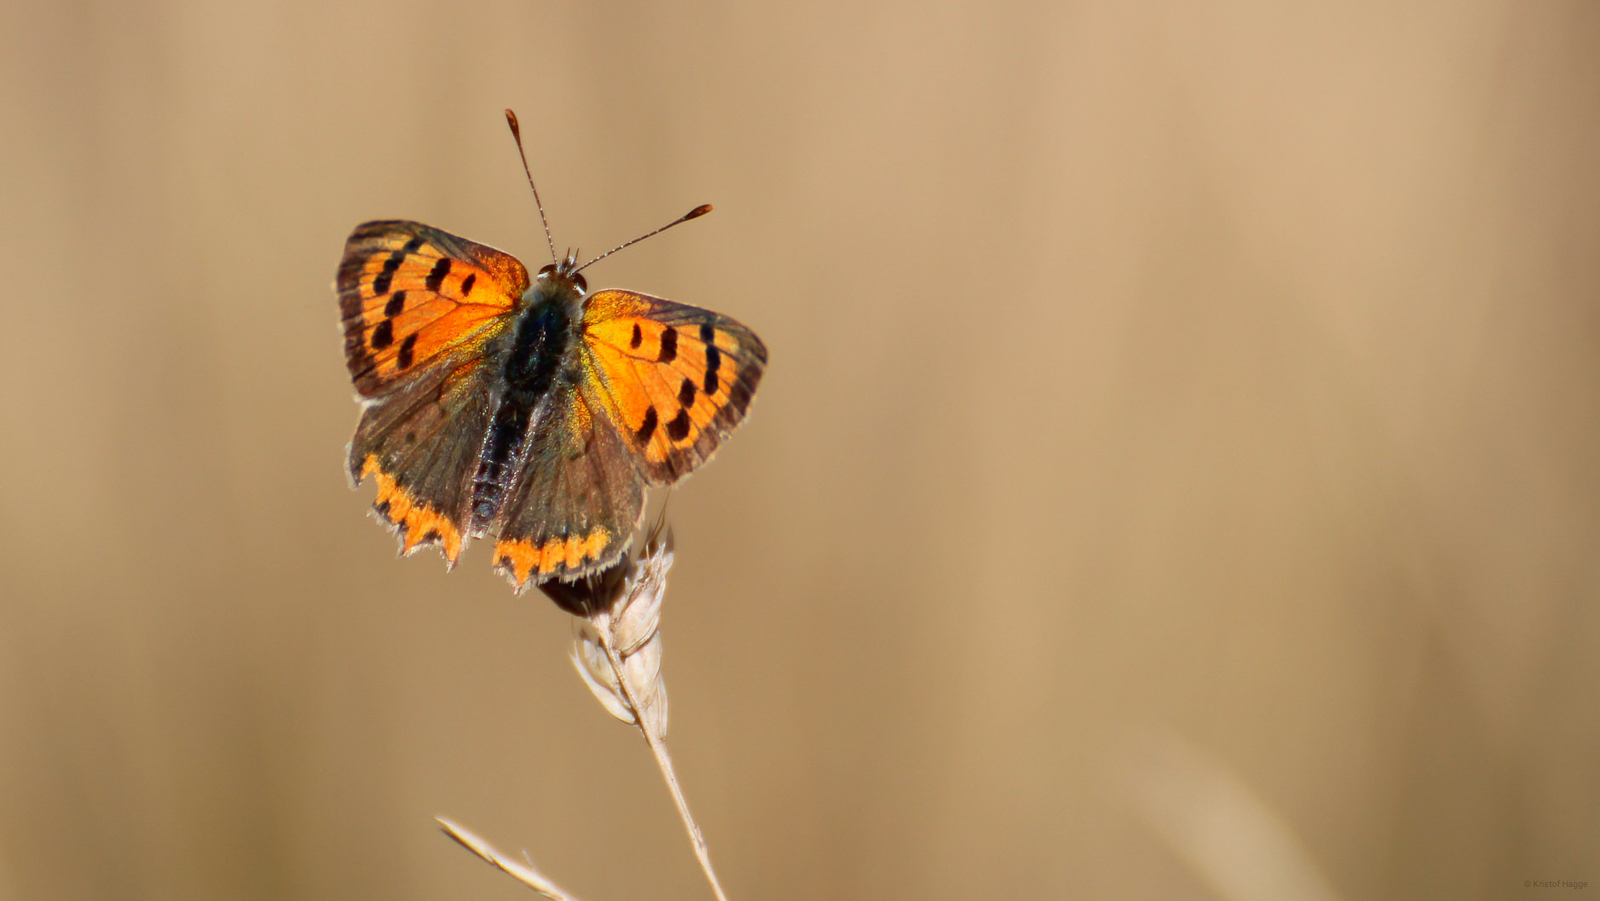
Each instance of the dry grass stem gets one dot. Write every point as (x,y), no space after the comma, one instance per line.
(523,873)
(617,651)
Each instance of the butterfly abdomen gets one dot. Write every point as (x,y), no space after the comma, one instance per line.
(540,348)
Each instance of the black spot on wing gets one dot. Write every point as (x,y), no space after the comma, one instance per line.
(678,428)
(638,337)
(406,348)
(396,304)
(669,345)
(708,337)
(436,278)
(380,285)
(686,394)
(383,335)
(467,283)
(648,428)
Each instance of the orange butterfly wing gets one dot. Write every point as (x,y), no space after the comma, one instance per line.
(418,304)
(675,379)
(410,294)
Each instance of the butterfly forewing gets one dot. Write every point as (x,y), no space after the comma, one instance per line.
(410,293)
(676,379)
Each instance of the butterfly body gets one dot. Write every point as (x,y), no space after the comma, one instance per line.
(540,358)
(526,409)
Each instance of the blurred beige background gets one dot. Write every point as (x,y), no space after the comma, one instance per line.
(1176,476)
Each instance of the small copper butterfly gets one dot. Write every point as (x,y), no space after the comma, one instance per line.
(526,409)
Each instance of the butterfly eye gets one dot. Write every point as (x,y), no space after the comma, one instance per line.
(580,281)
(548,268)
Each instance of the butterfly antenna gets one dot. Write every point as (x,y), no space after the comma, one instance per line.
(516,132)
(695,213)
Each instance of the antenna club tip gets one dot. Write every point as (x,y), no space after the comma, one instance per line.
(511,120)
(697,212)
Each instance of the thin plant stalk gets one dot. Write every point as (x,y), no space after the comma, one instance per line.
(617,652)
(523,873)
(658,747)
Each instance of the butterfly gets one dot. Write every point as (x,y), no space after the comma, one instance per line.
(526,409)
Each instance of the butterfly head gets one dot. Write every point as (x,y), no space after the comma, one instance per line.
(563,275)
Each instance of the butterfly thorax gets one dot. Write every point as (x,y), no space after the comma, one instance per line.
(539,360)
(543,336)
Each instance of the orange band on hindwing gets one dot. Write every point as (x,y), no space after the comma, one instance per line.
(523,558)
(419,523)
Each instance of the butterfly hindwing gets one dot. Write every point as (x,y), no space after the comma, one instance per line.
(410,294)
(421,443)
(676,379)
(577,498)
